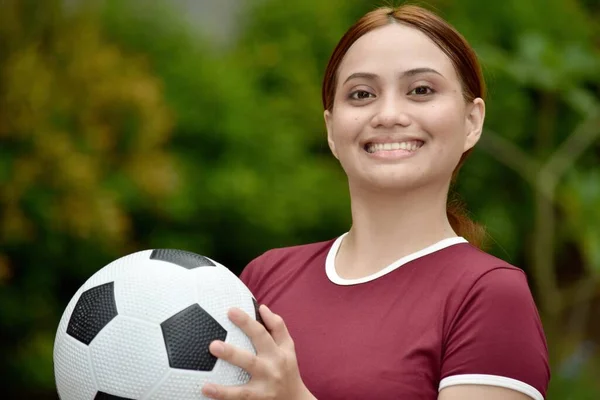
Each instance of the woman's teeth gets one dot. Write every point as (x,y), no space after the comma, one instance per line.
(408,146)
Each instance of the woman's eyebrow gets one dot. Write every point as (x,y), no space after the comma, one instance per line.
(365,75)
(407,73)
(417,71)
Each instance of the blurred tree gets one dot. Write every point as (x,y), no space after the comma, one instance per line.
(543,73)
(83,128)
(545,76)
(251,149)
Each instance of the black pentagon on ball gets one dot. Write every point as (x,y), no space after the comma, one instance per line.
(106,396)
(95,308)
(187,335)
(256,312)
(185,259)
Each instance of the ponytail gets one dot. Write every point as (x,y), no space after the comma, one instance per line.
(464,226)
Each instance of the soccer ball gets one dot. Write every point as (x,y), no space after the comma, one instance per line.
(140,327)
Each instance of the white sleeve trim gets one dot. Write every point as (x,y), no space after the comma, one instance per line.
(491,380)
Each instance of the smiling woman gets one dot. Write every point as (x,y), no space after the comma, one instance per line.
(411,96)
(403,305)
(464,62)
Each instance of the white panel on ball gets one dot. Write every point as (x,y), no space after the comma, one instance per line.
(128,358)
(181,384)
(73,370)
(114,270)
(154,290)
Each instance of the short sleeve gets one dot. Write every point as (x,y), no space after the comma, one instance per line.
(248,275)
(253,275)
(496,337)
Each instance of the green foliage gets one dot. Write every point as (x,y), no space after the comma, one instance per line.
(583,386)
(580,200)
(251,142)
(83,128)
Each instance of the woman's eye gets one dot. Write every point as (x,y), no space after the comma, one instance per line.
(422,90)
(360,95)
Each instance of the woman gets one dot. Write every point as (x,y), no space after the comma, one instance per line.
(402,306)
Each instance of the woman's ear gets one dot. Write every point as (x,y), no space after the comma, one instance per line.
(474,122)
(328,124)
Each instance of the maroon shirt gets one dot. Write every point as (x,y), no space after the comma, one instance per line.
(449,314)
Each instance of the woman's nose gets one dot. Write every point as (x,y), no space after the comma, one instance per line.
(390,112)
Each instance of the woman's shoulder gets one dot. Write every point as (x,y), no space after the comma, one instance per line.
(281,259)
(469,271)
(307,250)
(471,259)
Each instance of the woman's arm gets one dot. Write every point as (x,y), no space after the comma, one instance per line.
(478,392)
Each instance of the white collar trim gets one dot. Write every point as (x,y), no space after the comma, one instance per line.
(335,278)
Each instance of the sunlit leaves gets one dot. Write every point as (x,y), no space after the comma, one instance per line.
(75,109)
(83,133)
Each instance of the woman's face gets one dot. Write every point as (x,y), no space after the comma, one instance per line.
(399,118)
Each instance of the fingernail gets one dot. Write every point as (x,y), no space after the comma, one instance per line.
(218,348)
(209,390)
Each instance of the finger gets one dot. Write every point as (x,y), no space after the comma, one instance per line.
(261,339)
(276,326)
(234,355)
(227,392)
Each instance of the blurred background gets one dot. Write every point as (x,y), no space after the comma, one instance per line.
(197,125)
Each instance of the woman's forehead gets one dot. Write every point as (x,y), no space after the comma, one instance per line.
(394,49)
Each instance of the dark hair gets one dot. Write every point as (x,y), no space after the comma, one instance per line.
(462,56)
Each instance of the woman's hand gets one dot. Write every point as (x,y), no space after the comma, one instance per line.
(274,369)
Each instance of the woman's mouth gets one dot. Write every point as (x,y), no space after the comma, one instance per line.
(409,145)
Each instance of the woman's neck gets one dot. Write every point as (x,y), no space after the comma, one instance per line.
(387,228)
